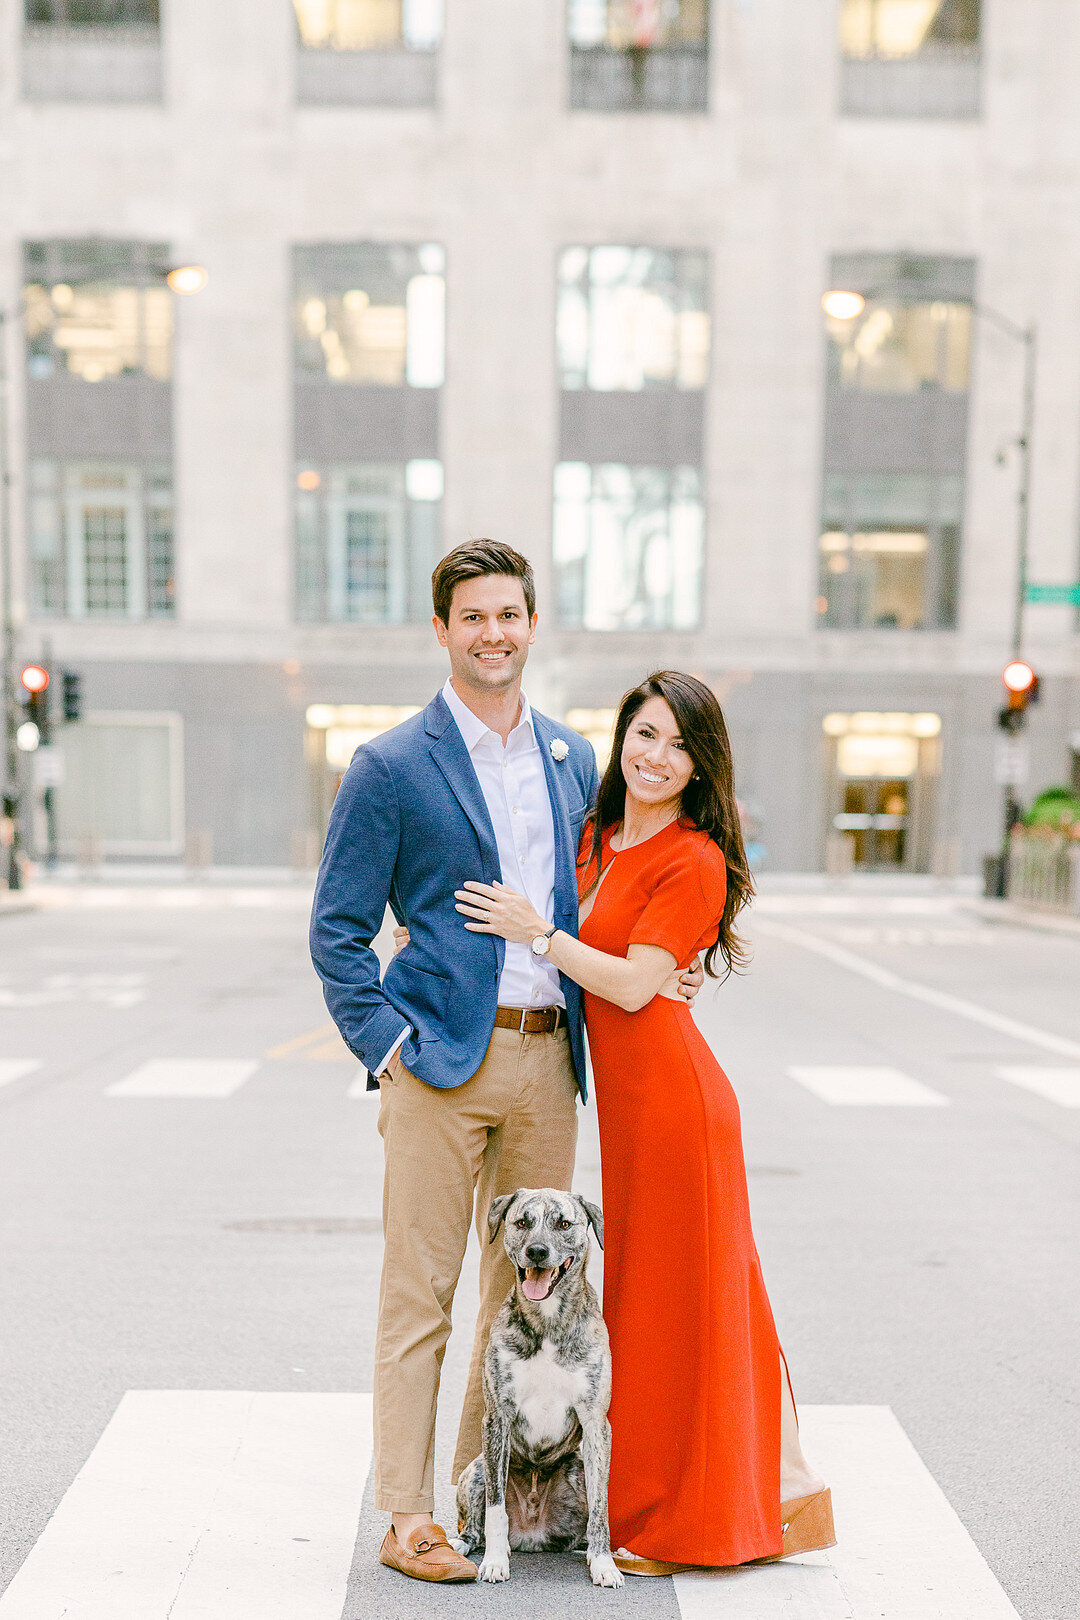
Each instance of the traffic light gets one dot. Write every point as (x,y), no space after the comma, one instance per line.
(1022,685)
(72,695)
(35,682)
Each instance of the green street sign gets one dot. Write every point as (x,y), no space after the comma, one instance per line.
(1059,595)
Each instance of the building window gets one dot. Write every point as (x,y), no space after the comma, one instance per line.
(910,57)
(369,313)
(379,53)
(97,309)
(633,318)
(889,552)
(91,50)
(628,545)
(626,56)
(898,30)
(94,13)
(368,537)
(902,347)
(366,25)
(100,540)
(896,413)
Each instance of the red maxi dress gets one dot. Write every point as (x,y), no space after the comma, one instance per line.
(695,1407)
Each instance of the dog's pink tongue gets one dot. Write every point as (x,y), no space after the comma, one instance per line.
(537,1283)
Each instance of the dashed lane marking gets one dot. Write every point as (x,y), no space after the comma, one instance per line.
(14,1069)
(1061,1086)
(866,1087)
(924,992)
(902,1552)
(201,1503)
(185,1077)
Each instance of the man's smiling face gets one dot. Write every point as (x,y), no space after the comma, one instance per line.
(489,632)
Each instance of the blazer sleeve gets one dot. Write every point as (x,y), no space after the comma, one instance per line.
(351,892)
(687,903)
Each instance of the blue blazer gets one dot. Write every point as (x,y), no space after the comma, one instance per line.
(409,826)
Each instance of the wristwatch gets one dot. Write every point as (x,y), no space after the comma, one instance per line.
(542,943)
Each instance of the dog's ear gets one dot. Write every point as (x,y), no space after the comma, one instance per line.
(595,1215)
(497,1213)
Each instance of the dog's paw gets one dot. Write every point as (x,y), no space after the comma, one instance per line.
(460,1545)
(496,1566)
(603,1570)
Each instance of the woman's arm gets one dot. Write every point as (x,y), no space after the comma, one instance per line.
(677,986)
(630,981)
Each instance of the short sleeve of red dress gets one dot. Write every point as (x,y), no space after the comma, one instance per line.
(683,912)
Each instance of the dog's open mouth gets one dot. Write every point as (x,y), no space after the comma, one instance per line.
(537,1283)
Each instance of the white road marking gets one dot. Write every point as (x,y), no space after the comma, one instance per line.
(924,992)
(902,1552)
(1058,1085)
(206,1505)
(185,1077)
(866,1087)
(14,1069)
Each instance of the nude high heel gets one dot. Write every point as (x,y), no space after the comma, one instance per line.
(808,1526)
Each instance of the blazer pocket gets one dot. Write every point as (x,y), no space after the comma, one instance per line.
(423,993)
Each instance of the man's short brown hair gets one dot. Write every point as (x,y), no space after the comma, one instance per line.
(473,560)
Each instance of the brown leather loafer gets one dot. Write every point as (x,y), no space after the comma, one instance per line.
(426,1556)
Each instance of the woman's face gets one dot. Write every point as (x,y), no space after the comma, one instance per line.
(655,765)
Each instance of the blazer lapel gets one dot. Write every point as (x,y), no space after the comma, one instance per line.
(566,896)
(450,754)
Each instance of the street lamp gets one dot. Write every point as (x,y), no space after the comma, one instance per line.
(184,279)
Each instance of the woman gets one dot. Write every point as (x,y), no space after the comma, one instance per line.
(706,1464)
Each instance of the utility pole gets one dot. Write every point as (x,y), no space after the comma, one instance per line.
(11,817)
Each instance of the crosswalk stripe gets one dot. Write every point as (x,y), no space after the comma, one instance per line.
(1060,1086)
(865,1086)
(902,1552)
(1061,1044)
(185,1077)
(14,1069)
(206,1505)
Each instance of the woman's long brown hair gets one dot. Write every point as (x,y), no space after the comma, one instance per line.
(708,799)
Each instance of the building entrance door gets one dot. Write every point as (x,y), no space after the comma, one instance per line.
(882,773)
(876,816)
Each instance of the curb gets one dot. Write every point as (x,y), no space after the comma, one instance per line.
(1005,911)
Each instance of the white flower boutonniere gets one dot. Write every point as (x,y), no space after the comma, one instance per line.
(559,749)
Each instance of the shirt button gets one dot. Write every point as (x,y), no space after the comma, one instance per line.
(521,858)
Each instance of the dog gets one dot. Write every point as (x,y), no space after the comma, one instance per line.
(541,1482)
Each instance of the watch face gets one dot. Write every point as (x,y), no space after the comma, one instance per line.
(541,945)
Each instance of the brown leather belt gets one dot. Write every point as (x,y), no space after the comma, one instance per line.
(530,1020)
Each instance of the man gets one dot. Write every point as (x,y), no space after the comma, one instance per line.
(478,1043)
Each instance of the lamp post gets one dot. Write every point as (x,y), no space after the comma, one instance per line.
(184,279)
(847,305)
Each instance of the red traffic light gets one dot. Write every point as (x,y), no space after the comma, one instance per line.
(1018,676)
(34,678)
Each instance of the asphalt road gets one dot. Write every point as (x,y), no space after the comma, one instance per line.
(919,1257)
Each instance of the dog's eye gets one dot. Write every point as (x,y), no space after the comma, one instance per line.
(562,1223)
(524,1224)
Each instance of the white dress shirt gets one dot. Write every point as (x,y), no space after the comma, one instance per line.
(514,785)
(515,791)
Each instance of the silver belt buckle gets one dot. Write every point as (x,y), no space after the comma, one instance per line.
(525,1011)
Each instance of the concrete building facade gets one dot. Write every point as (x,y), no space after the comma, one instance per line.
(817,517)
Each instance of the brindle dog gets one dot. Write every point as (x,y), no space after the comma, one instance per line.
(540,1484)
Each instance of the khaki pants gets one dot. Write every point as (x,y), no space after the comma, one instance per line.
(514,1124)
